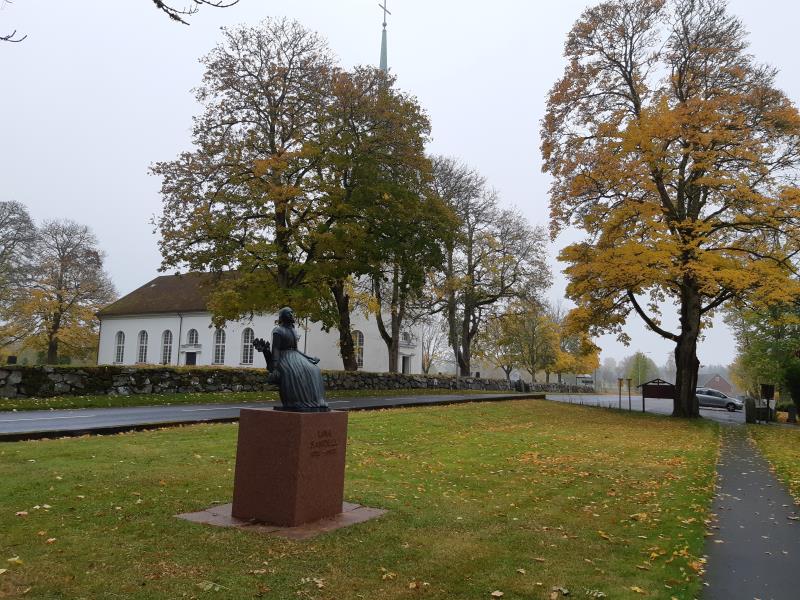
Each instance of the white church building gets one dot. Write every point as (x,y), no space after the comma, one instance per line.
(167,322)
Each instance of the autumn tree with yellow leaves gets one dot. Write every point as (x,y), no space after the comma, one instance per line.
(303,178)
(672,148)
(53,308)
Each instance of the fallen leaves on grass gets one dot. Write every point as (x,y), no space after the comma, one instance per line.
(317,581)
(638,590)
(15,560)
(210,586)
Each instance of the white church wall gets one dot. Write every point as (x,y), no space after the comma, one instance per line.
(154,325)
(322,344)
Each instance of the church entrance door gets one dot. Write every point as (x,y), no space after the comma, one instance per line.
(191,358)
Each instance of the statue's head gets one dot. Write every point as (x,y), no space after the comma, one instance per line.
(286,316)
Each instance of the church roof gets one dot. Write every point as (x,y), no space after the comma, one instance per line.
(166,294)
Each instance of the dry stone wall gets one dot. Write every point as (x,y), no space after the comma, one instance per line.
(45,381)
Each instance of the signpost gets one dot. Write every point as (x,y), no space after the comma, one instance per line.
(657,388)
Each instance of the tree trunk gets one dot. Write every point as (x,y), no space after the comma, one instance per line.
(686,363)
(396,312)
(52,351)
(547,376)
(465,354)
(452,318)
(52,339)
(346,346)
(394,348)
(464,361)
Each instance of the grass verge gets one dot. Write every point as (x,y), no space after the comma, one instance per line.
(781,447)
(524,498)
(105,401)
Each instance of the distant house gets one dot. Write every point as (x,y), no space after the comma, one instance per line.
(167,322)
(718,382)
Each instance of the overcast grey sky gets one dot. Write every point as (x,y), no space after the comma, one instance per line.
(100,89)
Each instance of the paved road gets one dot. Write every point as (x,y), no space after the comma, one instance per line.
(754,551)
(54,423)
(652,405)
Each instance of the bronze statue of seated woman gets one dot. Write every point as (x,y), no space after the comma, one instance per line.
(297,376)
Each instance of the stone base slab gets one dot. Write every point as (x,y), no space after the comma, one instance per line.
(220,516)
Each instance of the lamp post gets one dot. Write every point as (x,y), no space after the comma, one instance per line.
(639,356)
(629,394)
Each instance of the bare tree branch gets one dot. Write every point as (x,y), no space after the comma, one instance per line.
(12,37)
(180,14)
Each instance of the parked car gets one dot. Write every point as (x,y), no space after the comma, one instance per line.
(710,397)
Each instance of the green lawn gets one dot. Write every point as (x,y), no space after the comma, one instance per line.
(515,497)
(781,447)
(104,401)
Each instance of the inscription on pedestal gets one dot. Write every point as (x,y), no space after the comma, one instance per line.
(325,444)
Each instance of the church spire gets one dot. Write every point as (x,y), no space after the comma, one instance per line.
(384,61)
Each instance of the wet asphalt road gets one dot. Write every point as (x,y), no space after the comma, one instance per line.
(52,423)
(33,424)
(652,405)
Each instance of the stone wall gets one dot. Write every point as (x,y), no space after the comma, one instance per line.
(44,381)
(560,388)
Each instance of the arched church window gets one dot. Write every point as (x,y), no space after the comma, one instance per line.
(141,354)
(192,338)
(219,347)
(247,346)
(166,347)
(358,348)
(119,350)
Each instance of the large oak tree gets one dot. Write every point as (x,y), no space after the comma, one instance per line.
(296,169)
(672,148)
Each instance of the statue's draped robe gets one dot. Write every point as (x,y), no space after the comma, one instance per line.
(301,384)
